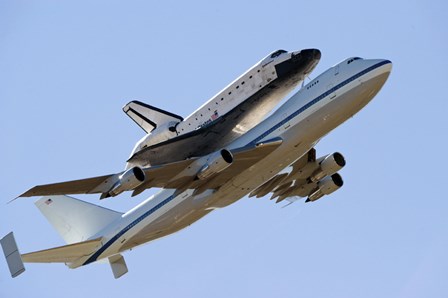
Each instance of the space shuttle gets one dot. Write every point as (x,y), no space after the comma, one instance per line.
(226,116)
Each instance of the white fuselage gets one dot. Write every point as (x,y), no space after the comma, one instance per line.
(315,110)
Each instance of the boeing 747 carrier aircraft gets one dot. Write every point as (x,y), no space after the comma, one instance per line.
(223,151)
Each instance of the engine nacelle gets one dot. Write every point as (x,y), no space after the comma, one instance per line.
(329,165)
(216,162)
(326,186)
(129,180)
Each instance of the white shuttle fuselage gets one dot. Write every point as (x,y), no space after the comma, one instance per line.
(246,101)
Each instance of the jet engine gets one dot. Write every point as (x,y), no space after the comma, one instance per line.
(216,162)
(326,186)
(328,165)
(129,180)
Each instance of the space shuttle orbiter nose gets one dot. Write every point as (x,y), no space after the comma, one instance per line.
(302,61)
(307,53)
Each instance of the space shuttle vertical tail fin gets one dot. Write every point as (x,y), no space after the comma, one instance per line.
(149,117)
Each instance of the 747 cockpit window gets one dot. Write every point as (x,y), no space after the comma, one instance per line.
(277,53)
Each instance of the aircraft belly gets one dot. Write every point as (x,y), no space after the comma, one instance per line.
(179,217)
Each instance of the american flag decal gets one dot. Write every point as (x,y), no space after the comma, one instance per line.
(49,201)
(215,115)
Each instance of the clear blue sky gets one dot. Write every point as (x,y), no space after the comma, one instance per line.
(67,68)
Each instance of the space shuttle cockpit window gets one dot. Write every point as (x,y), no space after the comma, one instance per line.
(277,53)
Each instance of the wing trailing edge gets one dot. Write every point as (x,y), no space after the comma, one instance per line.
(180,174)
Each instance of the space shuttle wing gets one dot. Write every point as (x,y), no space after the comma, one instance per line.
(198,142)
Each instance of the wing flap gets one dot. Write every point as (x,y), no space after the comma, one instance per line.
(63,254)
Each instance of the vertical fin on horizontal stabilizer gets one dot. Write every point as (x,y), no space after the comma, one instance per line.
(149,117)
(12,255)
(75,220)
(118,265)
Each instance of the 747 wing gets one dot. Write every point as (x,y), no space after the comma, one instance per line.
(306,177)
(206,172)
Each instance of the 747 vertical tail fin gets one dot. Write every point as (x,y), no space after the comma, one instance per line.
(75,220)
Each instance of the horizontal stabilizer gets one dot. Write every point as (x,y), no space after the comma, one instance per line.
(12,255)
(149,117)
(63,254)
